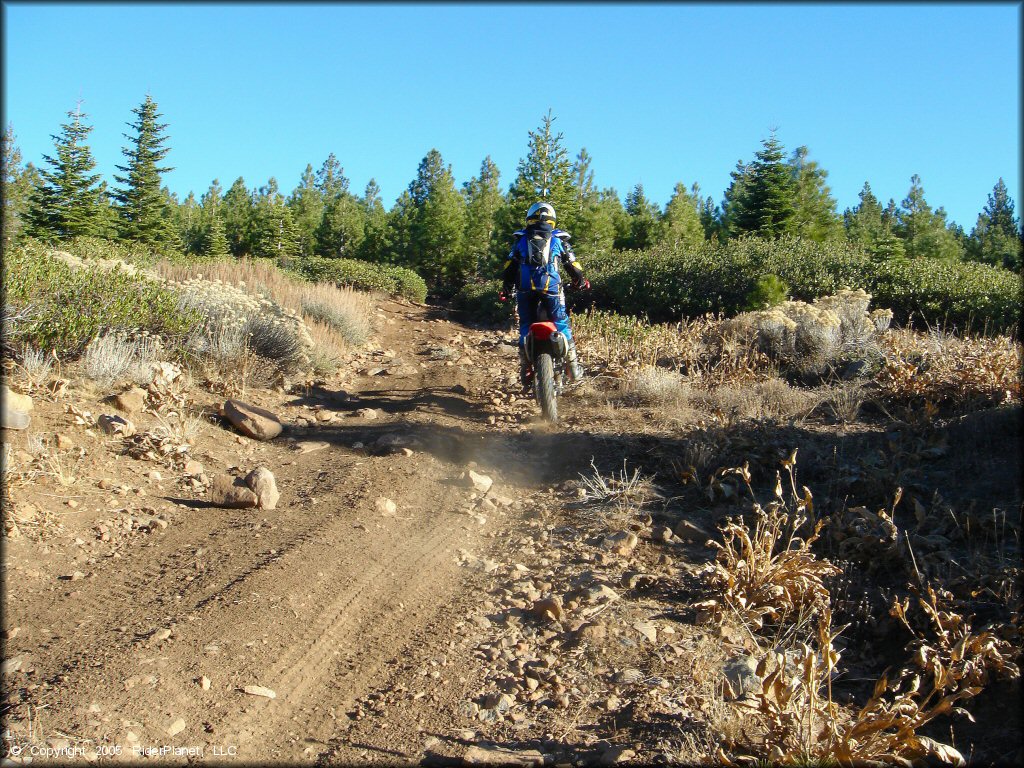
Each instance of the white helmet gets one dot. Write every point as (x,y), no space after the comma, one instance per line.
(540,211)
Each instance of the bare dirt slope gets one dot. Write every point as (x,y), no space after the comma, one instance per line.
(113,624)
(397,613)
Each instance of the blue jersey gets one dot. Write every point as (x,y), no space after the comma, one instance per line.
(538,259)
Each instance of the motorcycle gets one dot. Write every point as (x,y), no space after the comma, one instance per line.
(546,349)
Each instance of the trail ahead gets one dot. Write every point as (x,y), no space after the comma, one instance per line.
(355,616)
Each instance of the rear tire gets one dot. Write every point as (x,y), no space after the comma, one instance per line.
(544,384)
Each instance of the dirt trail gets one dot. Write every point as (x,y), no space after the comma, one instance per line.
(320,600)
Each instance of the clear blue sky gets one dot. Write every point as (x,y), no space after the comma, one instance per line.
(656,93)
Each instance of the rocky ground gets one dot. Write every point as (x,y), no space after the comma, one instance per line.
(427,577)
(430,585)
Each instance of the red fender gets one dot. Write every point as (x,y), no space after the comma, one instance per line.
(542,331)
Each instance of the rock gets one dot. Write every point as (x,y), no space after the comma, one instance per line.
(193,468)
(261,481)
(254,422)
(308,446)
(599,592)
(592,630)
(259,690)
(370,414)
(391,443)
(11,419)
(628,676)
(740,677)
(386,507)
(480,754)
(155,476)
(176,727)
(690,531)
(661,533)
(232,493)
(480,483)
(64,443)
(130,401)
(620,542)
(499,702)
(116,425)
(647,629)
(161,635)
(324,416)
(204,683)
(548,607)
(616,755)
(15,400)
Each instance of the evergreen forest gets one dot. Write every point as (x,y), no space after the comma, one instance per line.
(456,237)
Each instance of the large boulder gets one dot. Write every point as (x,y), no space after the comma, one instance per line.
(15,401)
(232,493)
(252,421)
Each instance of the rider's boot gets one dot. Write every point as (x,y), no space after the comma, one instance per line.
(525,369)
(573,363)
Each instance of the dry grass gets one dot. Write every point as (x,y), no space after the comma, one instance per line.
(119,356)
(620,489)
(36,367)
(770,572)
(954,370)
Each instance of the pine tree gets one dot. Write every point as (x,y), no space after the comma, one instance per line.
(922,230)
(215,245)
(545,174)
(18,183)
(375,239)
(680,222)
(67,200)
(871,227)
(188,223)
(399,231)
(438,225)
(330,179)
(996,237)
(483,201)
(143,209)
(307,207)
(733,201)
(274,234)
(236,210)
(815,216)
(342,226)
(643,220)
(767,206)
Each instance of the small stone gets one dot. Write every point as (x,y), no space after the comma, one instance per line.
(76,576)
(615,755)
(628,676)
(259,690)
(155,476)
(324,416)
(549,607)
(254,422)
(740,676)
(204,683)
(309,446)
(620,542)
(592,630)
(261,481)
(661,533)
(690,531)
(116,425)
(647,629)
(193,468)
(370,414)
(176,727)
(480,754)
(65,443)
(160,635)
(480,483)
(232,493)
(130,401)
(386,507)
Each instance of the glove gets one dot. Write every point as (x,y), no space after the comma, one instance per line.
(583,285)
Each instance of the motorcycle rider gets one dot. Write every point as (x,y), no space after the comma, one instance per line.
(532,267)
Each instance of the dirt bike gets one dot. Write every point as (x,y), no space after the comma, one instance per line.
(546,349)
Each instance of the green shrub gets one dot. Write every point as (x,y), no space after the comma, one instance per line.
(668,282)
(969,295)
(481,301)
(768,291)
(66,307)
(363,276)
